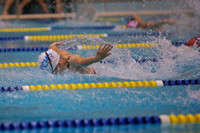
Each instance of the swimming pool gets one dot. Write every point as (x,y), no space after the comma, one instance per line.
(175,67)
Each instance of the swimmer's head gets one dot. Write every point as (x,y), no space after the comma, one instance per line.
(48,60)
(194,42)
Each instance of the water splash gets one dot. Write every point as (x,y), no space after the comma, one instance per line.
(86,13)
(188,24)
(194,4)
(176,61)
(195,94)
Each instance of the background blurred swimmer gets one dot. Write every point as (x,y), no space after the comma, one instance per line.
(194,42)
(137,22)
(56,60)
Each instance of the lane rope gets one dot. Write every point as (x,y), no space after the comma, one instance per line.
(26,29)
(79,47)
(96,122)
(86,47)
(33,29)
(47,38)
(128,84)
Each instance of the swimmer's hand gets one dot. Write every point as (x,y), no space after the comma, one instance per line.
(103,52)
(56,44)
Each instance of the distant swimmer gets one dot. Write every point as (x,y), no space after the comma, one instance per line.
(56,60)
(137,22)
(194,42)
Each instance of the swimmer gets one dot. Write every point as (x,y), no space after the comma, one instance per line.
(137,22)
(194,42)
(56,60)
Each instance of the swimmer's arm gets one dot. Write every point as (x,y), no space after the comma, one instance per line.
(152,24)
(160,23)
(78,61)
(55,45)
(145,24)
(102,53)
(140,21)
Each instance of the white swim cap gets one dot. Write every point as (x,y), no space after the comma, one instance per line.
(48,60)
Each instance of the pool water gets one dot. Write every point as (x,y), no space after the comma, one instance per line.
(23,106)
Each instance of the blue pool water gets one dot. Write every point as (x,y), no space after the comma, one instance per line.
(105,102)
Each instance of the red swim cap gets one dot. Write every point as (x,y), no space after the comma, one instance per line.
(194,42)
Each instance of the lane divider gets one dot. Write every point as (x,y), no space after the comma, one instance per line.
(141,60)
(79,47)
(20,64)
(32,64)
(61,37)
(86,47)
(129,84)
(33,29)
(96,122)
(83,27)
(26,29)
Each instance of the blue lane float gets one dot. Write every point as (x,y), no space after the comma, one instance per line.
(177,44)
(80,123)
(99,122)
(4,50)
(143,60)
(181,82)
(14,38)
